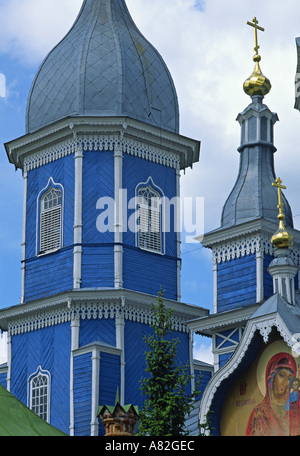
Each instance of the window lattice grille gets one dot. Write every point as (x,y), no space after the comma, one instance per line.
(149,220)
(50,223)
(39,396)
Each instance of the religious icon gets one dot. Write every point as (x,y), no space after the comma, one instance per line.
(272,417)
(293,406)
(265,399)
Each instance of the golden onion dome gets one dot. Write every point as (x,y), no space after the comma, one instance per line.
(282,239)
(257,83)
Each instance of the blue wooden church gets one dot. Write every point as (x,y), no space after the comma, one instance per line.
(102,148)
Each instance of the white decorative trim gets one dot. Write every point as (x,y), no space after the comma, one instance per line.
(89,311)
(102,143)
(241,247)
(49,155)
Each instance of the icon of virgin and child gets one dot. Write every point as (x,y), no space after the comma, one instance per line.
(279,412)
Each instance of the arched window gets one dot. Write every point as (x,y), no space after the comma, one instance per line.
(149,219)
(39,394)
(50,220)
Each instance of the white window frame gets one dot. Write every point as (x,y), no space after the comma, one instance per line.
(149,234)
(51,213)
(36,392)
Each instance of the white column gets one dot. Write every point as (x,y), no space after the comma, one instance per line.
(120,342)
(259,276)
(95,392)
(191,341)
(25,176)
(215,278)
(75,328)
(78,218)
(8,379)
(118,226)
(177,226)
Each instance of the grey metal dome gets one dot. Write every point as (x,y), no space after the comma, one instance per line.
(103,67)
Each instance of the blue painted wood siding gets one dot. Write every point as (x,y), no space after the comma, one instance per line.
(237,283)
(3,380)
(98,182)
(97,330)
(53,273)
(135,359)
(109,382)
(97,266)
(83,394)
(98,248)
(110,378)
(49,348)
(62,172)
(204,377)
(49,274)
(144,271)
(224,358)
(136,171)
(268,281)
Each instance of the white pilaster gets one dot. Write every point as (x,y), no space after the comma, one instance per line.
(259,276)
(8,362)
(95,392)
(192,371)
(75,328)
(118,249)
(120,343)
(215,278)
(25,176)
(78,218)
(177,227)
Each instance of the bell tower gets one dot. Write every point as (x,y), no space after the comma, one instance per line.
(241,247)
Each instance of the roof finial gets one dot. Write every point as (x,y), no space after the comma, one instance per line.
(282,239)
(257,83)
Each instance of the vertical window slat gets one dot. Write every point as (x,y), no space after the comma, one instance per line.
(50,221)
(149,233)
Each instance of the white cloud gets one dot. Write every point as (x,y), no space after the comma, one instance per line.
(30,28)
(210,55)
(203,350)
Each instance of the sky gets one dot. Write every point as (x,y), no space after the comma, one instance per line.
(208,48)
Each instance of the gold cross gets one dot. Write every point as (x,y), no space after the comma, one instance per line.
(280,187)
(256,27)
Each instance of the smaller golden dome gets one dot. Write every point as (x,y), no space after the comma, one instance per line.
(282,239)
(257,83)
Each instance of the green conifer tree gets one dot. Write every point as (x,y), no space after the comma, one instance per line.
(167,402)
